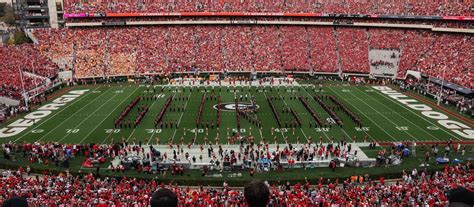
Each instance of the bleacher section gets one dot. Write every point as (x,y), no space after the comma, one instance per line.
(160,49)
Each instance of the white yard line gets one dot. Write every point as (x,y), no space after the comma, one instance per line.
(272,115)
(324,133)
(133,131)
(182,113)
(419,116)
(72,115)
(386,118)
(54,115)
(195,133)
(256,116)
(395,140)
(118,105)
(416,125)
(300,127)
(88,116)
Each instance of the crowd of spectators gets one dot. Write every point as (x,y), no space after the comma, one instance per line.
(23,63)
(10,111)
(115,51)
(415,188)
(353,50)
(266,49)
(448,96)
(209,48)
(414,44)
(453,184)
(385,39)
(59,154)
(404,7)
(294,48)
(323,56)
(439,60)
(237,43)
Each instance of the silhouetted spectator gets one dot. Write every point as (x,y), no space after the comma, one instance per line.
(257,194)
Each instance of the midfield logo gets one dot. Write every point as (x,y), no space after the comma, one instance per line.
(229,106)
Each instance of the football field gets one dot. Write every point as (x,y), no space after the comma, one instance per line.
(86,114)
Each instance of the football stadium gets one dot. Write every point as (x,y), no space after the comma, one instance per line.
(236,103)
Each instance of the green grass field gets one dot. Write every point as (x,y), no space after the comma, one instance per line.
(90,117)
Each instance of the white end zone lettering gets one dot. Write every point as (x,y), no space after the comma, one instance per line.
(8,132)
(79,92)
(452,124)
(382,88)
(390,92)
(467,133)
(37,114)
(63,100)
(20,125)
(397,96)
(51,106)
(434,115)
(420,107)
(407,101)
(443,120)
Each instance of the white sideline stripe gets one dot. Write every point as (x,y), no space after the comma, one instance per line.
(42,137)
(83,120)
(52,116)
(401,115)
(367,117)
(406,132)
(422,117)
(108,117)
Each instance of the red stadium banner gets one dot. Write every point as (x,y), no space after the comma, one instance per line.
(159,14)
(214,14)
(255,14)
(458,17)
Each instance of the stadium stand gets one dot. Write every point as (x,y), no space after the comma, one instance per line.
(34,68)
(441,56)
(385,39)
(237,48)
(322,43)
(268,57)
(414,189)
(294,48)
(405,7)
(351,40)
(153,51)
(119,51)
(353,50)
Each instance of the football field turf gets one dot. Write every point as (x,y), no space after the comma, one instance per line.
(89,118)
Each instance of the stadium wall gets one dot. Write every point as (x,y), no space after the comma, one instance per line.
(9,101)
